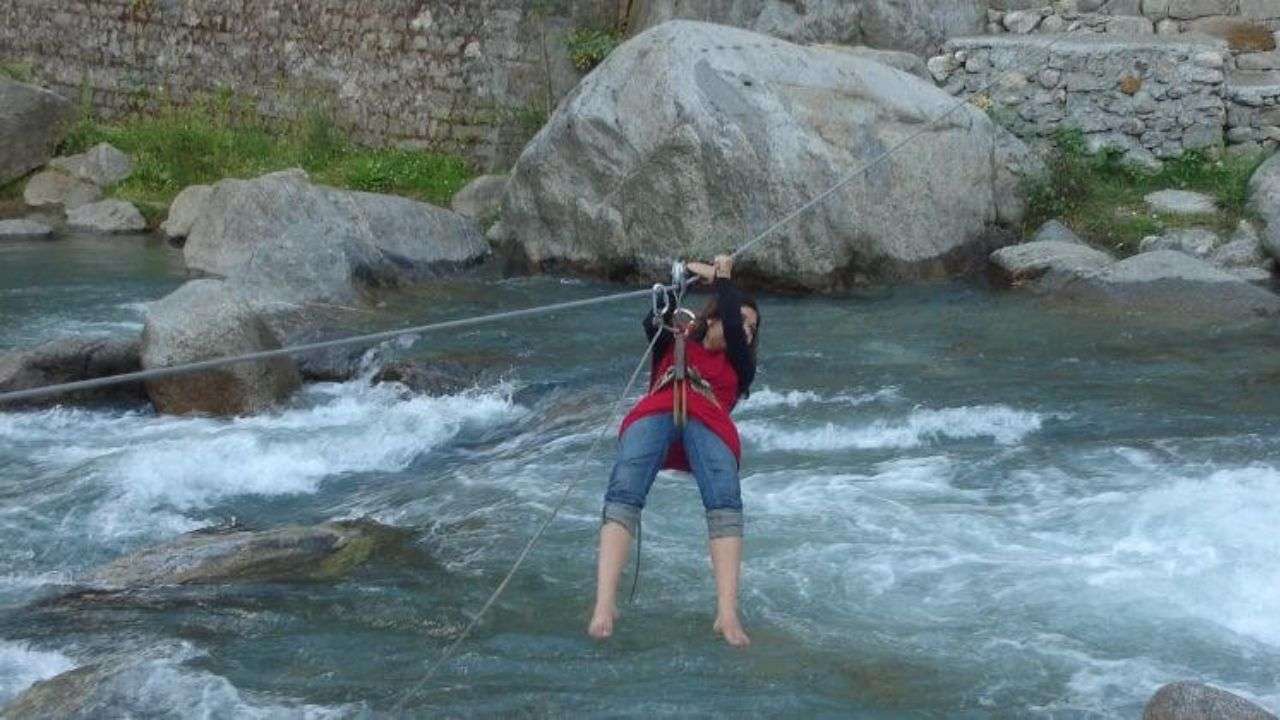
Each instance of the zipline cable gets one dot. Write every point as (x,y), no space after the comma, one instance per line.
(370,339)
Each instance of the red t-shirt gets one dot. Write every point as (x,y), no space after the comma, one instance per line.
(714,367)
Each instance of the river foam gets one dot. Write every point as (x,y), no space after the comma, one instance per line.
(146,473)
(999,423)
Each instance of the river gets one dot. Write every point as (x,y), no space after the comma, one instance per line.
(960,503)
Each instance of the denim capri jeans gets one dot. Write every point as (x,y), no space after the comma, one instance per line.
(641,451)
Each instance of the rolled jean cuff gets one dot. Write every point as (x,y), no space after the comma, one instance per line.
(628,516)
(724,523)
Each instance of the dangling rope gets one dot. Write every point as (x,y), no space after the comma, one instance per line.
(574,477)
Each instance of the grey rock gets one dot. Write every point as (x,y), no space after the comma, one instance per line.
(1188,9)
(207,319)
(54,187)
(288,554)
(1055,231)
(1197,242)
(24,230)
(1143,160)
(1130,26)
(69,360)
(1046,264)
(918,27)
(102,165)
(428,379)
(1180,202)
(1188,700)
(481,199)
(1053,24)
(184,210)
(281,236)
(1022,21)
(106,216)
(683,142)
(1244,250)
(1264,199)
(1171,286)
(32,123)
(941,66)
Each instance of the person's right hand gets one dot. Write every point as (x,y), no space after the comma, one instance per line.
(705,271)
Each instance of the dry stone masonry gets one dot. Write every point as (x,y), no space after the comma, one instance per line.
(469,76)
(1156,97)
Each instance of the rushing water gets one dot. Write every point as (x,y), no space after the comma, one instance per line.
(960,504)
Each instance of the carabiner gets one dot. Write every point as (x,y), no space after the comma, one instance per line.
(660,291)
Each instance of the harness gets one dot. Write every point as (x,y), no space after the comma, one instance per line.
(680,377)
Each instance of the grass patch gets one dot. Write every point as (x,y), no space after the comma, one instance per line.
(220,137)
(1102,199)
(21,72)
(589,47)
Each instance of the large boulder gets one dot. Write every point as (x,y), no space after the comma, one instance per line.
(1167,284)
(1264,199)
(1188,700)
(102,165)
(287,554)
(72,359)
(691,137)
(206,319)
(32,123)
(54,187)
(1195,241)
(918,26)
(283,236)
(106,217)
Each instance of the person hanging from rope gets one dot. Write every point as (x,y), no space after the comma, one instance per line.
(700,369)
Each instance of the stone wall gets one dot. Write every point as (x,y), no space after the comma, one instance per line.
(475,77)
(1153,99)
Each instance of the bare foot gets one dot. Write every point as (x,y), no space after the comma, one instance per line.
(732,631)
(601,625)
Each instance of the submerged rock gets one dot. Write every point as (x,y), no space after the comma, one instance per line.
(1188,700)
(33,121)
(102,165)
(428,379)
(54,187)
(24,230)
(280,236)
(107,217)
(207,319)
(684,141)
(288,554)
(71,359)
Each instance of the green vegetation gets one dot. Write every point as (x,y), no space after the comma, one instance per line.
(21,72)
(1101,198)
(589,47)
(221,137)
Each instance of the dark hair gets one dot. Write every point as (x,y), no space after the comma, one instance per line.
(711,311)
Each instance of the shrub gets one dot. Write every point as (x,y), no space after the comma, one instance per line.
(589,47)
